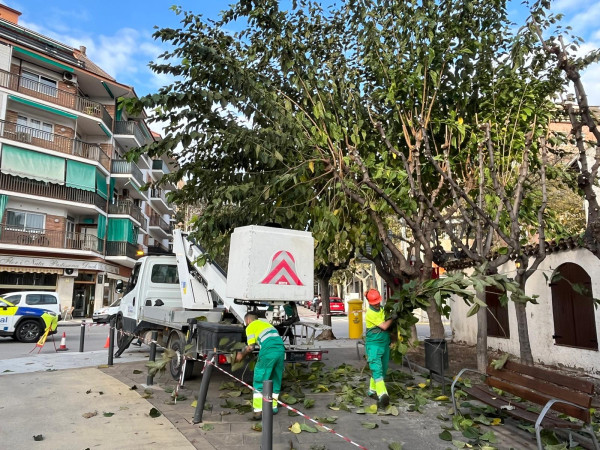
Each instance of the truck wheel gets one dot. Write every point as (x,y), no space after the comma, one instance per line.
(177,344)
(122,339)
(28,331)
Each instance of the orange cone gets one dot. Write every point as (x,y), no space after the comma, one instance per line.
(63,343)
(107,341)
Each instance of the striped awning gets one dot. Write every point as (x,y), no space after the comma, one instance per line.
(23,269)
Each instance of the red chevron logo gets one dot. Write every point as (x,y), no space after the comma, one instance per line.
(282,270)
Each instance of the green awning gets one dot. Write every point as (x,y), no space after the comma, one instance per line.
(3,203)
(121,230)
(101,184)
(42,107)
(81,176)
(111,190)
(101,226)
(108,89)
(41,58)
(105,130)
(33,165)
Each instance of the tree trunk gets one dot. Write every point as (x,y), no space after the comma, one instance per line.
(524,344)
(436,327)
(414,336)
(326,335)
(482,355)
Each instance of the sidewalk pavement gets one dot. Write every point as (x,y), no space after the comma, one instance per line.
(52,400)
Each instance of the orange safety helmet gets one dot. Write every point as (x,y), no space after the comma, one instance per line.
(373,296)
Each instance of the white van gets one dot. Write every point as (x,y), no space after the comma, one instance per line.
(35,299)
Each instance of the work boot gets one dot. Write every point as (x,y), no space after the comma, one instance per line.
(372,394)
(275,411)
(256,416)
(383,401)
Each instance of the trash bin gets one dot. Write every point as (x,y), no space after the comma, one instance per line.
(436,355)
(355,319)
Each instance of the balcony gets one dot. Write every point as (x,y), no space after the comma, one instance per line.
(123,167)
(160,227)
(159,168)
(157,248)
(36,239)
(57,191)
(56,96)
(123,249)
(158,199)
(55,142)
(128,209)
(130,134)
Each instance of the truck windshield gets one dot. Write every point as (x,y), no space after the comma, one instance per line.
(133,278)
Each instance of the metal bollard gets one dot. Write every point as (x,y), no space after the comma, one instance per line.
(111,341)
(82,335)
(150,378)
(267,416)
(203,389)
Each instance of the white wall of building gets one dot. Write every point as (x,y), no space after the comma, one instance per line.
(539,317)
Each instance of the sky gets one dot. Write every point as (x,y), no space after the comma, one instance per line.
(118,34)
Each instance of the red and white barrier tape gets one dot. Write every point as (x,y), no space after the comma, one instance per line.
(330,430)
(212,363)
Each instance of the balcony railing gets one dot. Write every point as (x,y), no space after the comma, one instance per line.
(119,248)
(54,95)
(51,141)
(33,237)
(130,209)
(157,247)
(44,189)
(130,127)
(158,193)
(157,221)
(122,167)
(160,165)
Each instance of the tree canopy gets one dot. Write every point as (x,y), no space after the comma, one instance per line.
(431,116)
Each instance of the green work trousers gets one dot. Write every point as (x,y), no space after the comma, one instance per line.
(269,366)
(377,348)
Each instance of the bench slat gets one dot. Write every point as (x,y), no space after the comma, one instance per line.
(577,384)
(486,396)
(541,399)
(540,385)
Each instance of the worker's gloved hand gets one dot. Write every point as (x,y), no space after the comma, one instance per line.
(394,317)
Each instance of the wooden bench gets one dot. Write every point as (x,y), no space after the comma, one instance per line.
(561,393)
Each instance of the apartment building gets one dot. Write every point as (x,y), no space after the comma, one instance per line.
(73,215)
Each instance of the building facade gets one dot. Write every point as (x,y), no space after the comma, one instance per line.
(74,216)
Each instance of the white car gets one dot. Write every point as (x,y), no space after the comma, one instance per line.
(106,313)
(36,299)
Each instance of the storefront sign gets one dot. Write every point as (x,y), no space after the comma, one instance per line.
(57,263)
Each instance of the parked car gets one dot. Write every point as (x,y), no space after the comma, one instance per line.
(336,306)
(36,299)
(106,313)
(25,323)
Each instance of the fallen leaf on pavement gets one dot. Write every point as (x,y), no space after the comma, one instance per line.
(38,437)
(154,413)
(87,415)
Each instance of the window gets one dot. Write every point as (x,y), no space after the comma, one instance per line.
(164,273)
(133,279)
(573,307)
(497,315)
(14,299)
(23,220)
(40,299)
(39,83)
(27,127)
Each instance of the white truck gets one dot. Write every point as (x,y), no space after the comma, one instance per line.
(270,271)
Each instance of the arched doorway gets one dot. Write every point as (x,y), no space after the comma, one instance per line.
(573,307)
